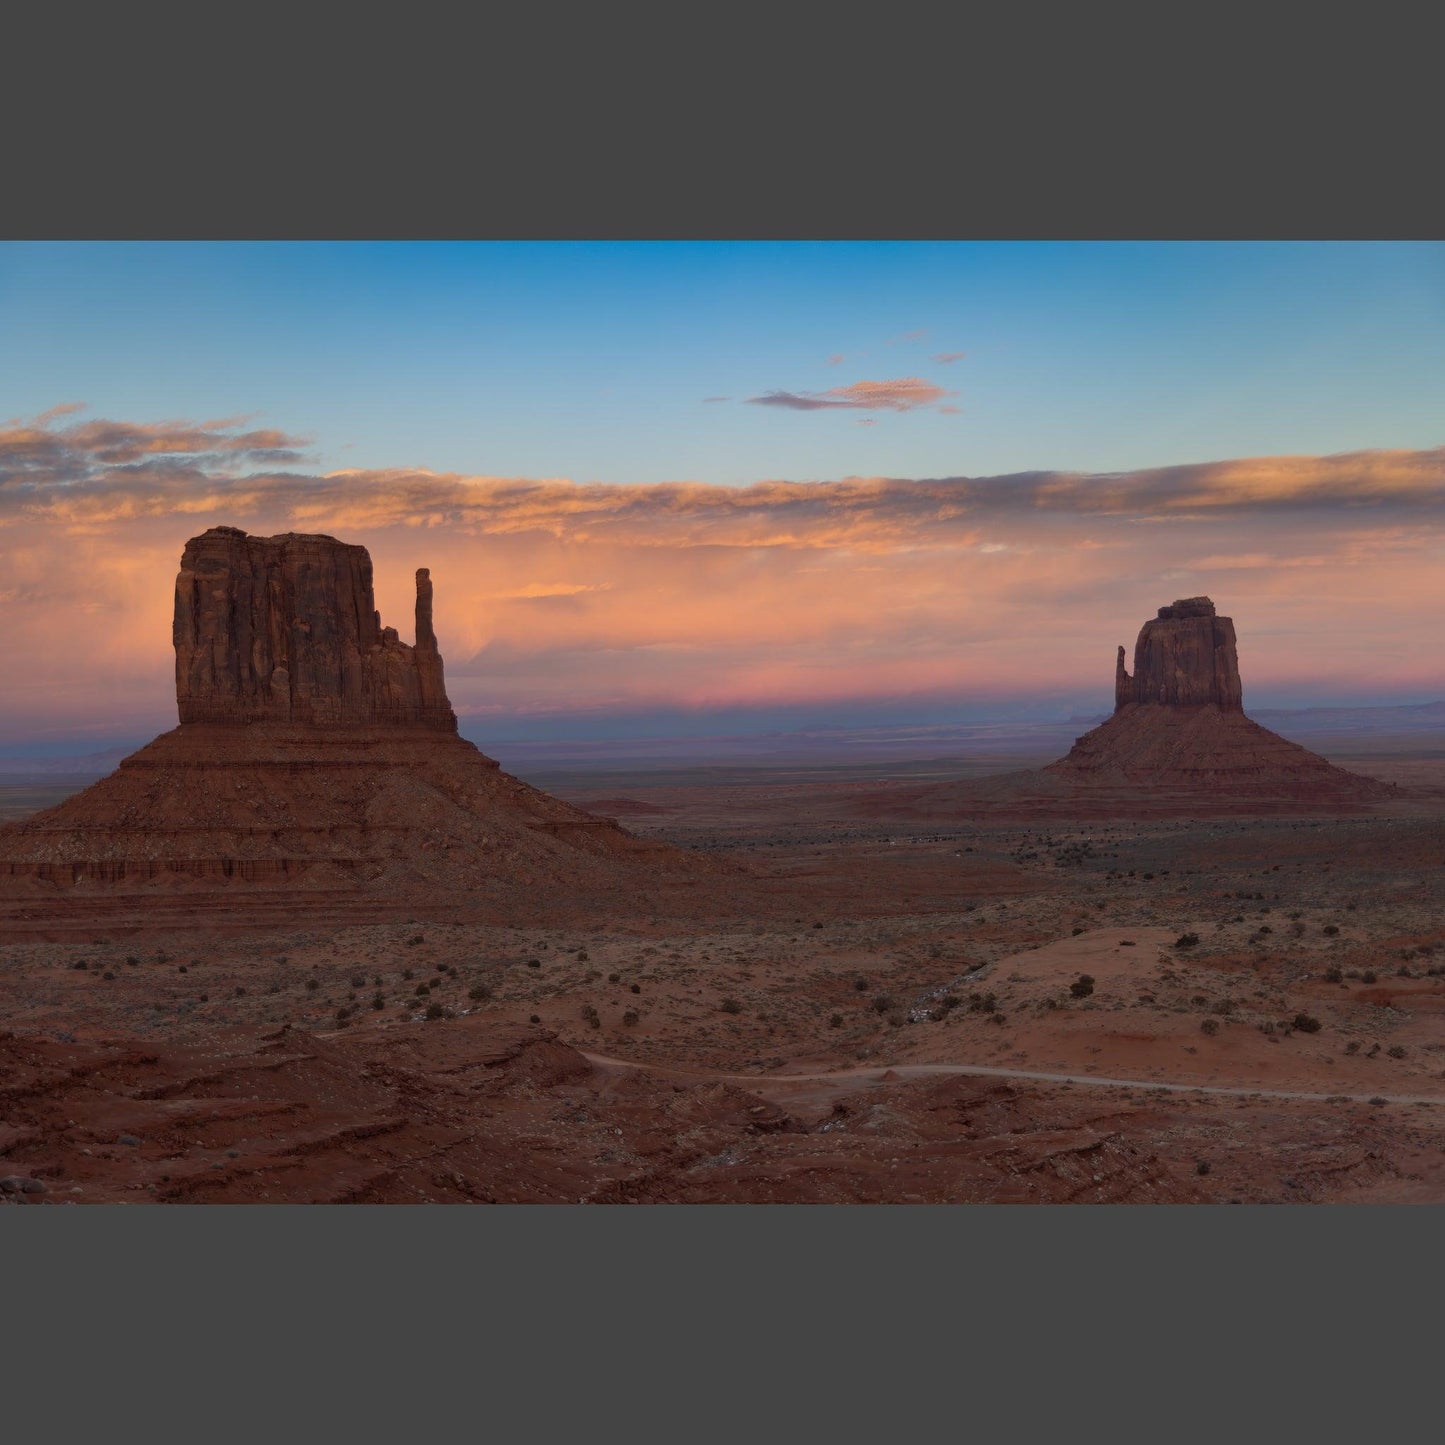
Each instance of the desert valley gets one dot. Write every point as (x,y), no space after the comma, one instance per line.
(312,945)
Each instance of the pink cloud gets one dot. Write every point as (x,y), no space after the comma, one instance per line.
(561,597)
(905,393)
(947,358)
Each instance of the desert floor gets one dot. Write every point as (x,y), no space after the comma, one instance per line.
(1219,1009)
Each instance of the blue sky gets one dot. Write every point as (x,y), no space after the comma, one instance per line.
(1259,422)
(592,361)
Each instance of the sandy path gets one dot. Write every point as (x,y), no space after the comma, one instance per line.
(889,1073)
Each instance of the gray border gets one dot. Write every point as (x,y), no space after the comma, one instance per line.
(1140,1320)
(729,125)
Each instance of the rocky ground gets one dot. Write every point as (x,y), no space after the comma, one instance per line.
(1185,1009)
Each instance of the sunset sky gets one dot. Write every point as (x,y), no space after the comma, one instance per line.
(678,487)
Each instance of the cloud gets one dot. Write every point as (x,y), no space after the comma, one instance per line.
(558,597)
(717,398)
(915,335)
(947,358)
(905,393)
(837,358)
(66,408)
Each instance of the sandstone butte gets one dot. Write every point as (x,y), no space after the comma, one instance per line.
(1179,726)
(316,750)
(1178,745)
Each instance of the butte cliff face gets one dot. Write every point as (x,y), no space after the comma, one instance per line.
(285,629)
(1185,655)
(317,758)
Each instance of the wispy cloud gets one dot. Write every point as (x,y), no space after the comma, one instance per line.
(554,595)
(947,358)
(917,334)
(66,408)
(904,393)
(717,398)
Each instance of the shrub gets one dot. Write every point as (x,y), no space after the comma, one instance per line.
(479,991)
(882,1003)
(1306,1024)
(423,989)
(1396,1051)
(415,939)
(591,1016)
(731,1006)
(435,1011)
(1368,976)
(407,973)
(134,961)
(1330,930)
(636,988)
(80,963)
(631,1016)
(835,1021)
(1202,1167)
(1186,940)
(861,984)
(534,963)
(581,955)
(378,1001)
(358,980)
(1378,1102)
(1210,1027)
(614,978)
(1082,986)
(1353,1047)
(534,1018)
(312,985)
(1333,975)
(1077,932)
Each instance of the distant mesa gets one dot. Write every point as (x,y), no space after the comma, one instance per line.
(318,751)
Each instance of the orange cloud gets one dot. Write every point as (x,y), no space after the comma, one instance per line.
(555,598)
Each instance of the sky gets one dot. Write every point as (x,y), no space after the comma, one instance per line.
(684,487)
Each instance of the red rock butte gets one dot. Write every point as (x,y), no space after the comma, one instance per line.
(317,758)
(1178,745)
(1179,727)
(285,629)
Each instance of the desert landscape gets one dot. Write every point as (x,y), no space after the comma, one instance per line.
(313,946)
